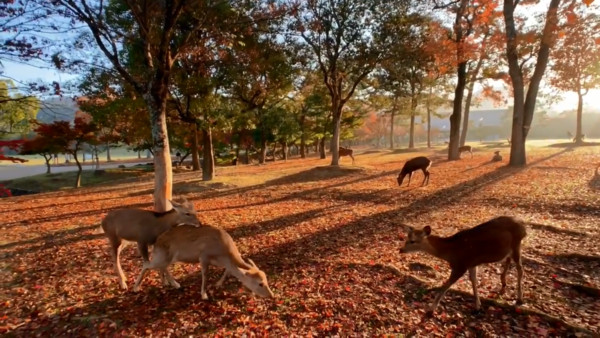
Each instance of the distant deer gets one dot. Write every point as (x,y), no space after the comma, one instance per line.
(420,162)
(346,152)
(143,227)
(207,245)
(465,149)
(495,240)
(497,157)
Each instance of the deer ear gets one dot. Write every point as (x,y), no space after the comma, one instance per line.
(427,230)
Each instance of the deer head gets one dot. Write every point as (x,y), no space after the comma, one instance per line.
(256,280)
(416,239)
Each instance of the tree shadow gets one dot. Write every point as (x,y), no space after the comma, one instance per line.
(316,174)
(52,240)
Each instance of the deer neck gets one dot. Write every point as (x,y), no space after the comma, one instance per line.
(438,247)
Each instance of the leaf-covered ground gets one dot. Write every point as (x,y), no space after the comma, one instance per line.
(328,239)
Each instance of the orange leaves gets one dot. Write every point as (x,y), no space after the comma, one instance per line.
(587,2)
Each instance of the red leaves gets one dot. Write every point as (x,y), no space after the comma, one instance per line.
(329,247)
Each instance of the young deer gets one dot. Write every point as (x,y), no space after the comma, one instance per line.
(207,245)
(420,162)
(495,240)
(143,227)
(465,149)
(346,152)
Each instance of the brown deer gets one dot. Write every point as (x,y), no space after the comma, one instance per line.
(465,149)
(420,162)
(346,152)
(143,227)
(207,245)
(495,240)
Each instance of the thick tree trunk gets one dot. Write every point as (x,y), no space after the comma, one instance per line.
(456,112)
(194,146)
(524,105)
(263,149)
(163,171)
(208,162)
(321,150)
(579,129)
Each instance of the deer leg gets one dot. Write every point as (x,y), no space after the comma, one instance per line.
(204,264)
(352,159)
(517,259)
(409,176)
(424,177)
(473,278)
(140,278)
(503,275)
(116,245)
(454,276)
(222,280)
(471,154)
(170,279)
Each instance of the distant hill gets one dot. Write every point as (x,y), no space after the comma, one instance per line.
(57,109)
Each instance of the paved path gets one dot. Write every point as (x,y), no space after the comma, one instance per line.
(12,171)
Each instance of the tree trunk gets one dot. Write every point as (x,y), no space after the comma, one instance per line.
(456,112)
(79,171)
(465,127)
(139,154)
(335,138)
(263,149)
(321,148)
(284,149)
(524,105)
(108,158)
(247,155)
(393,113)
(163,170)
(208,162)
(579,131)
(413,111)
(48,159)
(195,155)
(429,117)
(460,85)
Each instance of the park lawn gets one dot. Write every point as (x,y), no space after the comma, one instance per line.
(328,239)
(66,180)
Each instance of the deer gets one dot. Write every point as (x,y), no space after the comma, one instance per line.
(346,152)
(208,245)
(143,227)
(497,157)
(419,162)
(465,149)
(498,239)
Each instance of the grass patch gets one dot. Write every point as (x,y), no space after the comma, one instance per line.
(66,180)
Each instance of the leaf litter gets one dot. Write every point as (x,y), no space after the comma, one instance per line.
(328,239)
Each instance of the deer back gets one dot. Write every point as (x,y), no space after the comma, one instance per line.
(187,243)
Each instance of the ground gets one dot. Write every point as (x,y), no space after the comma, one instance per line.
(328,239)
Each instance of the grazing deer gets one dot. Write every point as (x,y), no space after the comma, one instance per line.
(495,240)
(420,162)
(346,152)
(207,245)
(465,149)
(143,227)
